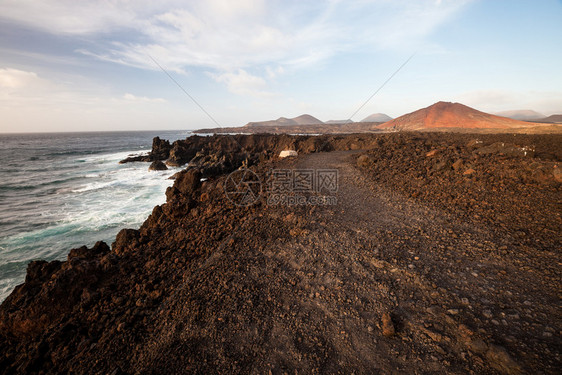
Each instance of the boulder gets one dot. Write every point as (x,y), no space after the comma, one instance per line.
(287,153)
(187,182)
(125,239)
(157,166)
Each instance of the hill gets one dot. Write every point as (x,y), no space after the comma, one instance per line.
(283,121)
(377,117)
(307,120)
(446,115)
(522,115)
(554,119)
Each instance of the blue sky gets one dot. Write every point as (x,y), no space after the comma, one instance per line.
(79,66)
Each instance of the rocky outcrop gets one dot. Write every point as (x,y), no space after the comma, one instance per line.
(221,154)
(160,149)
(157,166)
(52,290)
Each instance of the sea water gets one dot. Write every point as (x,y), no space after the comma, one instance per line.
(61,191)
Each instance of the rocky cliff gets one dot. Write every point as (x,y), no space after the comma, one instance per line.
(204,286)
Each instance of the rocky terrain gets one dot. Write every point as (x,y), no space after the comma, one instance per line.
(441,255)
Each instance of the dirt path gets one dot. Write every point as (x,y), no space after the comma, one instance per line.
(313,300)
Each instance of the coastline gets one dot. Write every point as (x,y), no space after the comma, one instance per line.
(199,285)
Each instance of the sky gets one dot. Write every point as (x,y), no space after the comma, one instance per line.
(94,65)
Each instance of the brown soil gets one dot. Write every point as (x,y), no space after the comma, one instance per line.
(420,267)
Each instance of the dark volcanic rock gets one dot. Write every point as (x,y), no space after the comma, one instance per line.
(51,290)
(187,182)
(160,149)
(157,166)
(206,287)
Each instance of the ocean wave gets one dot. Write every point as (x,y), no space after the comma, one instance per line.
(64,199)
(60,181)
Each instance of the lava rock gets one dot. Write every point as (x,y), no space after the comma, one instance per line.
(157,166)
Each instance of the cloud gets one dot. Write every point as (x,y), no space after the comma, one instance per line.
(243,83)
(273,72)
(501,100)
(14,80)
(142,99)
(233,36)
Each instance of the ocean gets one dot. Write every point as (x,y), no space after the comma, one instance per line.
(64,190)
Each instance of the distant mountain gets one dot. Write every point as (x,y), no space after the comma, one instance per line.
(554,119)
(522,114)
(307,120)
(349,121)
(283,121)
(377,117)
(451,115)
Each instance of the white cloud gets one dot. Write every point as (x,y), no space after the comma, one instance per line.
(501,100)
(273,72)
(14,80)
(142,99)
(227,36)
(30,101)
(243,83)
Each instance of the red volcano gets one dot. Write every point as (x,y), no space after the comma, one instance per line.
(452,115)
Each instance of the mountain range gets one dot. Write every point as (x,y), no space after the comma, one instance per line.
(311,120)
(441,116)
(283,121)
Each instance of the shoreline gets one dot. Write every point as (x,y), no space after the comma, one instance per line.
(200,253)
